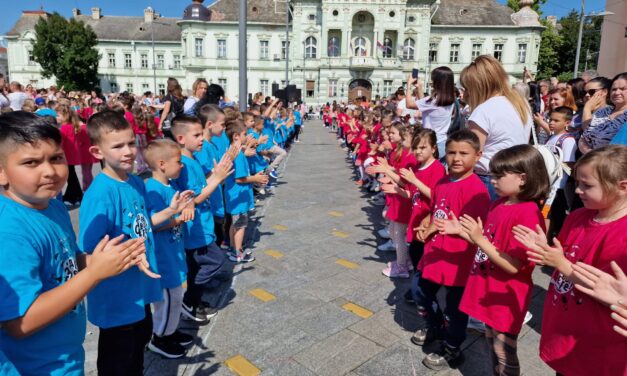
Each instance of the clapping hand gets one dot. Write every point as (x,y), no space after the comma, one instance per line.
(408,175)
(538,249)
(144,266)
(180,200)
(604,287)
(449,226)
(233,150)
(473,228)
(112,257)
(223,169)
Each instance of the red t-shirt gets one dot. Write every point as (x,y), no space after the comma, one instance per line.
(577,336)
(76,145)
(447,259)
(421,205)
(399,208)
(131,120)
(492,295)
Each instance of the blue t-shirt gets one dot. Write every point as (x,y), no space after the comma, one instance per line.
(169,246)
(238,196)
(46,112)
(256,163)
(112,207)
(37,254)
(297,118)
(621,136)
(221,143)
(206,157)
(6,367)
(268,129)
(199,232)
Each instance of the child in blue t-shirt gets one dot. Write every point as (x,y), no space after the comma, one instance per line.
(164,159)
(254,128)
(271,149)
(42,314)
(203,256)
(298,123)
(239,194)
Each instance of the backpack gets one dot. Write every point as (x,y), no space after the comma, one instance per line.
(552,156)
(457,119)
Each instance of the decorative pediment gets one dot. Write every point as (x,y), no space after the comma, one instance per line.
(523,40)
(435,39)
(411,31)
(456,39)
(264,36)
(499,40)
(311,30)
(221,35)
(477,39)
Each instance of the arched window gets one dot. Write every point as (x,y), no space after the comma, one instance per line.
(360,47)
(408,49)
(387,47)
(334,47)
(310,48)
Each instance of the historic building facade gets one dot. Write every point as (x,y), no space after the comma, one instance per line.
(337,49)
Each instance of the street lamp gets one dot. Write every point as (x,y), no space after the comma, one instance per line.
(581,21)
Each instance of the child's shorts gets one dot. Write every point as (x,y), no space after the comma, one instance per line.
(240,220)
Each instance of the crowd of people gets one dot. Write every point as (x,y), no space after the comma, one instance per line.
(478,183)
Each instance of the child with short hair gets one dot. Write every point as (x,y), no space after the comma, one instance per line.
(577,336)
(115,204)
(559,121)
(498,290)
(239,194)
(42,314)
(256,162)
(164,159)
(203,256)
(447,259)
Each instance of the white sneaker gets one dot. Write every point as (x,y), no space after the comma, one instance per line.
(384,233)
(528,317)
(387,246)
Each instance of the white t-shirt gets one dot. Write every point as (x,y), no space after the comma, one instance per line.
(17,100)
(437,118)
(569,148)
(500,120)
(4,101)
(402,105)
(188,106)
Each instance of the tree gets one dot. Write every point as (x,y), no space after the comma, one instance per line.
(590,41)
(66,49)
(548,58)
(515,5)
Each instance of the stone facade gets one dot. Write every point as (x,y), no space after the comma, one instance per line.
(337,49)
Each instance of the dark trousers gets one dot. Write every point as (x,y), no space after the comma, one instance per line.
(297,129)
(218,228)
(202,264)
(450,321)
(73,192)
(416,249)
(557,215)
(121,348)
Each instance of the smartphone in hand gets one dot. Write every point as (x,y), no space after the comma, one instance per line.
(414,73)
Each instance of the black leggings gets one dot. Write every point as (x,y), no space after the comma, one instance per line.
(416,249)
(121,348)
(73,192)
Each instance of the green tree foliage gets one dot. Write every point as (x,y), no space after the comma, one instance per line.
(66,49)
(549,59)
(590,41)
(514,4)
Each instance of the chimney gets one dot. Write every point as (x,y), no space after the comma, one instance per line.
(149,15)
(96,13)
(552,20)
(76,12)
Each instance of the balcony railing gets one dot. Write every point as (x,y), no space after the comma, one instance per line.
(363,62)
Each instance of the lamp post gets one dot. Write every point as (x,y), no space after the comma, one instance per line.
(581,22)
(243,78)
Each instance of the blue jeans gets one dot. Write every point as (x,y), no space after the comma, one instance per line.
(486,179)
(451,322)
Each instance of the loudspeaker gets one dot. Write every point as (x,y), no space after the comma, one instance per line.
(293,94)
(275,88)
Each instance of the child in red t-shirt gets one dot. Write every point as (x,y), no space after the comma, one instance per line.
(399,204)
(498,291)
(577,330)
(447,259)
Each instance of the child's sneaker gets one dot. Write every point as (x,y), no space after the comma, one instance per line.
(248,257)
(384,233)
(528,317)
(395,271)
(166,347)
(424,337)
(180,338)
(446,357)
(379,201)
(273,174)
(231,252)
(207,311)
(192,314)
(387,246)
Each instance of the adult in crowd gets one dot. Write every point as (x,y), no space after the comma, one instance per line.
(172,105)
(16,96)
(402,110)
(435,109)
(602,119)
(5,103)
(589,75)
(500,117)
(545,87)
(199,88)
(557,98)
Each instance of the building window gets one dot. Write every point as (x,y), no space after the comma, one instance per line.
(263,49)
(312,17)
(284,46)
(334,47)
(160,61)
(476,50)
(161,89)
(387,88)
(311,48)
(111,60)
(522,53)
(195,12)
(454,55)
(144,60)
(177,61)
(433,52)
(332,88)
(360,47)
(221,48)
(114,87)
(31,57)
(145,87)
(310,88)
(128,61)
(129,87)
(408,49)
(222,82)
(498,51)
(263,86)
(388,47)
(198,47)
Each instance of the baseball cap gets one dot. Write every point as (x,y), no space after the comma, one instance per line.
(39,101)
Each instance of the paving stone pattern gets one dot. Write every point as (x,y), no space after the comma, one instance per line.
(317,216)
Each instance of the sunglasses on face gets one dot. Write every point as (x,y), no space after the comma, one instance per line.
(592,91)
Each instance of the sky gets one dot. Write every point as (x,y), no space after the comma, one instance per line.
(12,9)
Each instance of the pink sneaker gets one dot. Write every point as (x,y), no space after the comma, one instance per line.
(395,271)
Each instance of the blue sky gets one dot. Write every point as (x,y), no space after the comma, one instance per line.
(174,8)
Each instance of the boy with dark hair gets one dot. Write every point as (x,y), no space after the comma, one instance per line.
(203,256)
(42,315)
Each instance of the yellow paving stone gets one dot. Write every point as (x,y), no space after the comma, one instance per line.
(274,253)
(336,214)
(280,227)
(340,234)
(358,310)
(347,264)
(242,366)
(262,295)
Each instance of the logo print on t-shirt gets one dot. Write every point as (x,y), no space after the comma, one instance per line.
(481,257)
(140,226)
(564,288)
(177,233)
(415,199)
